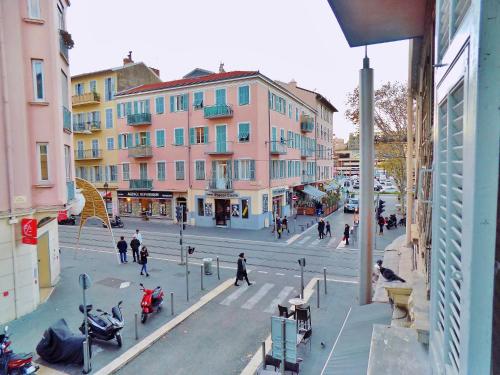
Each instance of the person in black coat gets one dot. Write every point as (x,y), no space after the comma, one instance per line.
(134,245)
(122,249)
(346,234)
(242,270)
(144,261)
(321,228)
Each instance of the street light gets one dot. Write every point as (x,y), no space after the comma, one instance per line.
(106,195)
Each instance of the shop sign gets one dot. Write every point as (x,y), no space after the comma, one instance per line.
(280,191)
(211,194)
(29,231)
(144,194)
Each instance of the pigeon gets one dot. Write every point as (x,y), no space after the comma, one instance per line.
(323,345)
(387,273)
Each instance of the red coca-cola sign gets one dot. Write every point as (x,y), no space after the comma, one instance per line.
(29,231)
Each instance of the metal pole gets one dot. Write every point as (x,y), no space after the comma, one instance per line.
(181,240)
(187,276)
(301,281)
(324,277)
(136,328)
(264,355)
(317,292)
(201,276)
(366,180)
(283,335)
(218,273)
(87,366)
(409,158)
(172,303)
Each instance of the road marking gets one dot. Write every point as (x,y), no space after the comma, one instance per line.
(257,296)
(297,276)
(330,243)
(125,284)
(303,241)
(341,245)
(280,274)
(279,299)
(336,340)
(262,271)
(235,295)
(292,239)
(315,242)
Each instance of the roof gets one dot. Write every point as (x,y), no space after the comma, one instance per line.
(190,81)
(198,72)
(108,71)
(321,98)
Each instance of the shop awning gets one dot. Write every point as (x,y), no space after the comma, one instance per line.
(313,192)
(331,186)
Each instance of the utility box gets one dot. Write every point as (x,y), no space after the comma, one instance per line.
(207,266)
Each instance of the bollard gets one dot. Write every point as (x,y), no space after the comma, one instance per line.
(136,329)
(201,278)
(324,277)
(218,273)
(172,303)
(87,367)
(264,355)
(317,291)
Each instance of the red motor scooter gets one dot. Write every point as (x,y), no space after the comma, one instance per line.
(11,363)
(152,300)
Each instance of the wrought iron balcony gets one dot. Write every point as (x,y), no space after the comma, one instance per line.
(218,111)
(219,148)
(278,148)
(140,152)
(93,154)
(66,119)
(307,178)
(220,184)
(70,188)
(306,152)
(86,127)
(138,119)
(84,99)
(141,184)
(306,124)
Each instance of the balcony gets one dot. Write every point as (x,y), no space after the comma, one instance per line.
(85,99)
(63,48)
(306,124)
(307,178)
(70,190)
(94,154)
(219,148)
(306,152)
(140,152)
(87,127)
(218,111)
(141,184)
(66,119)
(138,119)
(278,148)
(220,184)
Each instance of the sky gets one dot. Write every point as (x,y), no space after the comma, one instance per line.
(283,39)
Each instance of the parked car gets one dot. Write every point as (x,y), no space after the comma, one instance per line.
(389,189)
(351,205)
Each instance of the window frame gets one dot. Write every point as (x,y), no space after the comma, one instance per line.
(164,137)
(197,107)
(183,170)
(162,106)
(175,137)
(239,98)
(164,170)
(128,171)
(249,131)
(204,169)
(112,141)
(35,83)
(39,162)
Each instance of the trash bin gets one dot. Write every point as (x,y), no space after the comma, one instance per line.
(207,266)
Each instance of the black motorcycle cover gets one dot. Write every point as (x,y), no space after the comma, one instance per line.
(60,345)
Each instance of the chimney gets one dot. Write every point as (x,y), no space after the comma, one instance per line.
(221,68)
(293,83)
(157,71)
(128,59)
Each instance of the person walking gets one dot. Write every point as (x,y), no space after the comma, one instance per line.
(284,223)
(346,234)
(381,223)
(279,226)
(138,235)
(144,260)
(122,249)
(134,245)
(328,229)
(242,270)
(321,228)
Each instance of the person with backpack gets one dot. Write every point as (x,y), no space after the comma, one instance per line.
(144,260)
(134,245)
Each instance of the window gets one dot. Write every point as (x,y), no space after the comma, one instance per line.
(128,108)
(265,203)
(160,104)
(199,169)
(113,171)
(244,208)
(198,135)
(97,173)
(62,22)
(124,141)
(120,110)
(244,95)
(93,86)
(179,103)
(244,170)
(110,142)
(160,170)
(141,106)
(67,162)
(109,88)
(43,166)
(198,100)
(34,9)
(296,114)
(244,132)
(201,206)
(79,89)
(289,111)
(109,118)
(160,138)
(126,171)
(220,96)
(179,170)
(178,137)
(38,80)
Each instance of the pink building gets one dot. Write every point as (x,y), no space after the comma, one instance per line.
(36,170)
(232,147)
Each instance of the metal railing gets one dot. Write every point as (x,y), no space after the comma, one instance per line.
(87,98)
(306,152)
(88,154)
(70,188)
(278,148)
(306,178)
(219,148)
(306,124)
(66,118)
(220,184)
(140,152)
(63,48)
(80,127)
(141,184)
(139,119)
(218,111)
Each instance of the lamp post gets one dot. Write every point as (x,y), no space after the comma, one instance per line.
(106,195)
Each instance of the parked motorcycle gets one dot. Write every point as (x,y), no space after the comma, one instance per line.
(115,223)
(392,222)
(152,300)
(105,326)
(11,363)
(64,219)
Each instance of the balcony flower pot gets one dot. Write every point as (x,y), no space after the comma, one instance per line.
(67,40)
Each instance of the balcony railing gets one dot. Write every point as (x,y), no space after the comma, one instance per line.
(218,111)
(278,148)
(70,188)
(306,152)
(87,127)
(137,119)
(140,152)
(92,154)
(307,178)
(63,48)
(220,184)
(141,184)
(219,148)
(87,98)
(66,118)
(306,124)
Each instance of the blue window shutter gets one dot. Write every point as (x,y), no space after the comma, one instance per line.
(147,106)
(191,136)
(118,111)
(137,141)
(185,102)
(129,140)
(220,96)
(128,109)
(148,138)
(136,107)
(236,169)
(119,141)
(214,167)
(205,134)
(172,104)
(252,170)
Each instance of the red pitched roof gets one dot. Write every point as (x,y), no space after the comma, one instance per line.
(190,81)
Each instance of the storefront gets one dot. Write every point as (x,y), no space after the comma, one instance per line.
(281,206)
(154,203)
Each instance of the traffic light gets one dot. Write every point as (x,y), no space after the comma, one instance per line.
(380,208)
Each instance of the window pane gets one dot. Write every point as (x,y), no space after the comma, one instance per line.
(44,167)
(244,132)
(34,8)
(37,66)
(201,211)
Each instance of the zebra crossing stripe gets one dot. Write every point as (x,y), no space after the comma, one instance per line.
(330,243)
(235,295)
(315,242)
(251,302)
(304,240)
(279,299)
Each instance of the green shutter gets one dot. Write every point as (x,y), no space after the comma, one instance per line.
(137,141)
(136,106)
(236,169)
(118,111)
(119,141)
(214,167)
(191,136)
(147,106)
(185,102)
(252,170)
(172,99)
(129,140)
(148,138)
(205,134)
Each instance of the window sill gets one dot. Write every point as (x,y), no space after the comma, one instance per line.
(44,185)
(41,102)
(36,21)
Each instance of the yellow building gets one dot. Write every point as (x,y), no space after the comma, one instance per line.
(94,122)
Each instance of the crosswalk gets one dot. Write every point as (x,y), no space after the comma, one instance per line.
(312,242)
(250,298)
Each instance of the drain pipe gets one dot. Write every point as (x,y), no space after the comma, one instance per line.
(8,152)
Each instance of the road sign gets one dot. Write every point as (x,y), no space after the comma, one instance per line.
(84,281)
(295,198)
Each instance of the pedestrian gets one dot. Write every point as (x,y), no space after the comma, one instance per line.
(346,234)
(138,235)
(134,245)
(279,226)
(328,229)
(381,223)
(144,260)
(321,228)
(284,223)
(122,249)
(356,217)
(242,270)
